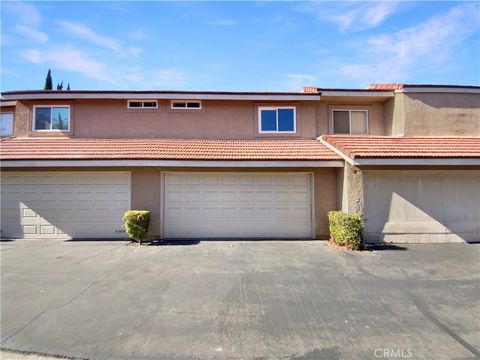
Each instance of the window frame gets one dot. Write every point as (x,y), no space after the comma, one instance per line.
(186,102)
(349,121)
(142,107)
(13,121)
(260,108)
(51,114)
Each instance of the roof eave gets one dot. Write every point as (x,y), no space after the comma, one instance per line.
(66,95)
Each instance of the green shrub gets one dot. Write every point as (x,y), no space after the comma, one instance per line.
(136,224)
(346,230)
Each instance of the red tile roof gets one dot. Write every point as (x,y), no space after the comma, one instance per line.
(164,149)
(405,147)
(385,86)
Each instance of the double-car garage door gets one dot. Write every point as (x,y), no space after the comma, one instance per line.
(64,205)
(237,205)
(68,205)
(422,206)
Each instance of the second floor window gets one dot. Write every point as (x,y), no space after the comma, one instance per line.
(51,118)
(142,104)
(354,122)
(276,120)
(6,124)
(191,105)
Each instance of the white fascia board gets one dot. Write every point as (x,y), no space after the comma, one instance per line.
(8,103)
(438,90)
(170,163)
(387,94)
(417,161)
(336,151)
(142,96)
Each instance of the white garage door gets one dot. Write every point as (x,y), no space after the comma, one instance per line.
(64,205)
(237,205)
(422,206)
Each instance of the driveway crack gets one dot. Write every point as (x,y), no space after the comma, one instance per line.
(422,307)
(56,307)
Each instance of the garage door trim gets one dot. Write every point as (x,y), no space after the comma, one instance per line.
(309,173)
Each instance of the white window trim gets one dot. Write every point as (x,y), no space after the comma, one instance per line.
(260,108)
(350,121)
(13,121)
(51,122)
(142,107)
(185,101)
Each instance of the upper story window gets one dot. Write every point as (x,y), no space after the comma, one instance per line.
(354,122)
(142,104)
(190,105)
(6,124)
(48,118)
(279,119)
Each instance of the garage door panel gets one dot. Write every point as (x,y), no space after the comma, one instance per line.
(64,205)
(422,206)
(237,205)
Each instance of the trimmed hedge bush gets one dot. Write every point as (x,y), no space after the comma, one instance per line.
(346,230)
(136,224)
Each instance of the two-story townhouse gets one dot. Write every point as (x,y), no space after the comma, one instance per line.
(242,164)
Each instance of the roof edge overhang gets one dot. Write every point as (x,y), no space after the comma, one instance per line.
(173,163)
(357,93)
(446,89)
(73,95)
(464,161)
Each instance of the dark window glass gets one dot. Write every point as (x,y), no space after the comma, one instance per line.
(285,120)
(150,104)
(268,120)
(42,118)
(179,104)
(341,122)
(193,105)
(135,104)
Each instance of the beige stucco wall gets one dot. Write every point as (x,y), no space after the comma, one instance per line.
(216,119)
(433,114)
(146,190)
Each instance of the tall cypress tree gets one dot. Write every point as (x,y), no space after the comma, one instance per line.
(48,81)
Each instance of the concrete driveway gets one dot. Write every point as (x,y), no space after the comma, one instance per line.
(240,300)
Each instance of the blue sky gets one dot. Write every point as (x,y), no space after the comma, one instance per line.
(271,46)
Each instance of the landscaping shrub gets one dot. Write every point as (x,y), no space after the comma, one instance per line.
(136,224)
(346,230)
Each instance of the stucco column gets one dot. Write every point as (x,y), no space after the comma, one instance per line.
(353,202)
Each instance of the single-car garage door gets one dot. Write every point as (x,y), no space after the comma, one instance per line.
(64,205)
(237,205)
(422,206)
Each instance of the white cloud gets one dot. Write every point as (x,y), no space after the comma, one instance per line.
(109,43)
(70,60)
(353,15)
(295,82)
(35,35)
(28,20)
(25,13)
(221,22)
(396,57)
(156,79)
